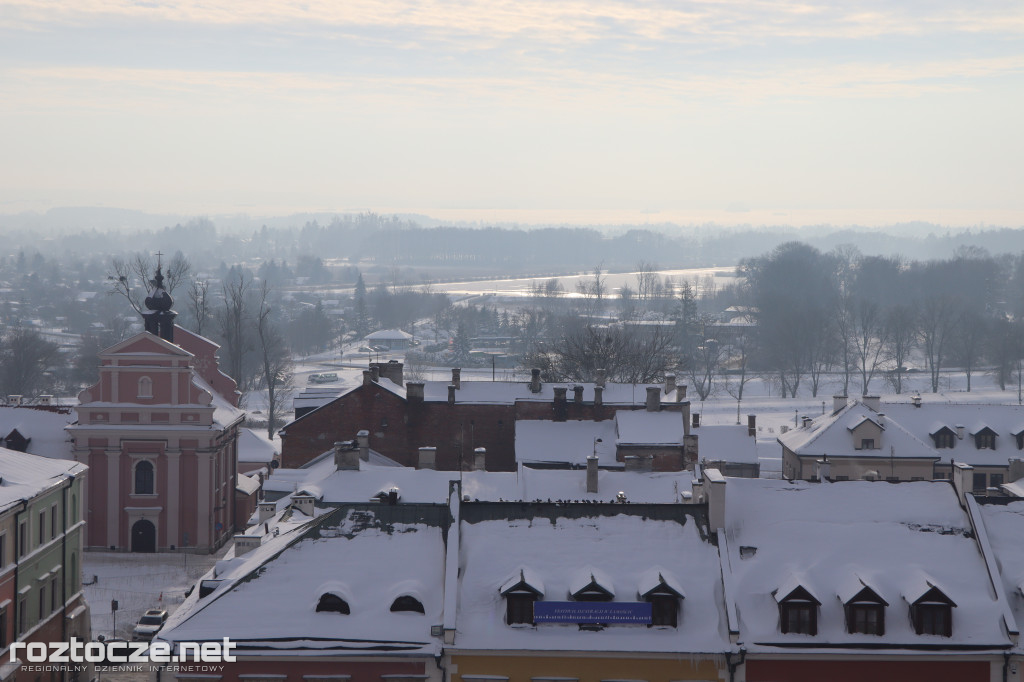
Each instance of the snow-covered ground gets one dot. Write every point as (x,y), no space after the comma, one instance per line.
(138,582)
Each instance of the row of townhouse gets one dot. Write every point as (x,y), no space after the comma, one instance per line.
(356,570)
(908,441)
(41,535)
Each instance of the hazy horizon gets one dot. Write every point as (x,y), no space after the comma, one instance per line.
(557,111)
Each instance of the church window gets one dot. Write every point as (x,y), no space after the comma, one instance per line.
(144,478)
(145,387)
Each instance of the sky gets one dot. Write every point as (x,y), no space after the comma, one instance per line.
(568,110)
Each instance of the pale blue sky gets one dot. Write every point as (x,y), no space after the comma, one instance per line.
(560,107)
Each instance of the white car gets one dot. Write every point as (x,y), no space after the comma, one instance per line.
(149,625)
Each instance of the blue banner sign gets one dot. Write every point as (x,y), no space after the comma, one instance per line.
(592,612)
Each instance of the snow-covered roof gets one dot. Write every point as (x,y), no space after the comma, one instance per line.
(528,485)
(508,392)
(1005,420)
(254,446)
(829,435)
(640,427)
(313,397)
(267,601)
(1004,527)
(224,413)
(616,547)
(569,442)
(23,476)
(247,484)
(44,426)
(731,443)
(839,538)
(389,335)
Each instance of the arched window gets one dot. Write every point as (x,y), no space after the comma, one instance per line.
(333,603)
(145,387)
(407,603)
(144,478)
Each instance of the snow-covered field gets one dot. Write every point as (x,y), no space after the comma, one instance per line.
(138,582)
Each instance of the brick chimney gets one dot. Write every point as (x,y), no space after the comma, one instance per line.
(561,404)
(600,378)
(304,502)
(367,377)
(686,417)
(451,394)
(653,399)
(838,403)
(375,371)
(598,395)
(480,459)
(393,370)
(414,391)
(457,377)
(346,456)
(363,442)
(427,458)
(246,543)
(592,474)
(577,394)
(670,383)
(872,402)
(267,509)
(535,380)
(680,393)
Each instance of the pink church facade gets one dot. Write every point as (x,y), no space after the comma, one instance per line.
(159,431)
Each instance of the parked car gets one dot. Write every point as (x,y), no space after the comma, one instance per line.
(322,378)
(149,625)
(365,349)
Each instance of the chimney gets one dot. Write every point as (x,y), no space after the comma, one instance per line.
(561,406)
(1016,471)
(457,377)
(267,509)
(414,391)
(392,369)
(480,459)
(451,394)
(14,400)
(577,394)
(686,418)
(714,489)
(600,380)
(916,401)
(960,431)
(670,383)
(872,402)
(246,543)
(653,399)
(680,393)
(304,503)
(392,497)
(823,469)
(346,456)
(363,441)
(367,377)
(752,425)
(375,371)
(535,380)
(598,395)
(428,458)
(838,403)
(696,420)
(592,474)
(963,481)
(640,463)
(805,422)
(46,400)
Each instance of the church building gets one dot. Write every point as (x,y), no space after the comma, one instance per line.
(159,431)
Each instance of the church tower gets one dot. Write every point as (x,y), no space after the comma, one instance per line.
(159,317)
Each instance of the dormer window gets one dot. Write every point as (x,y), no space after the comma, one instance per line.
(332,603)
(520,593)
(867,443)
(985,439)
(932,613)
(145,387)
(407,603)
(1019,436)
(594,589)
(865,613)
(945,438)
(798,612)
(664,595)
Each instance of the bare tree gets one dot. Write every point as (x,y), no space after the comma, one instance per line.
(593,291)
(276,360)
(868,339)
(938,318)
(627,355)
(900,341)
(132,278)
(647,281)
(704,356)
(233,320)
(26,359)
(198,303)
